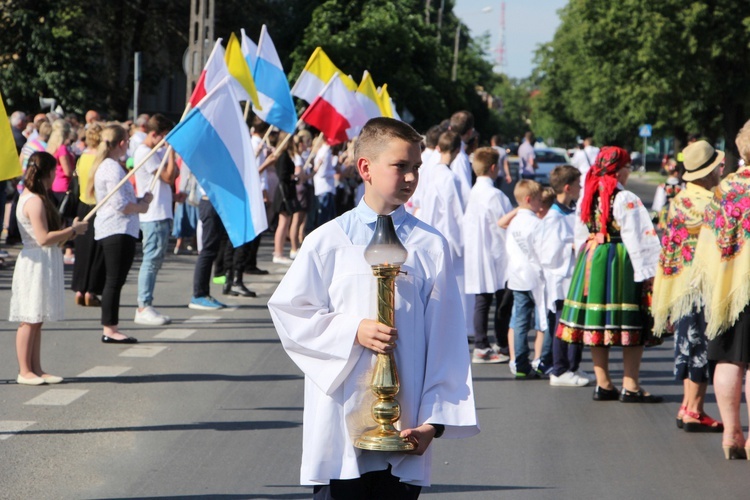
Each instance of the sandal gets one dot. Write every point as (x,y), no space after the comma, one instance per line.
(93,301)
(80,299)
(680,414)
(638,396)
(704,423)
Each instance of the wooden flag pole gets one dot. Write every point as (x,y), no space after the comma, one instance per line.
(124,180)
(247,109)
(166,155)
(316,145)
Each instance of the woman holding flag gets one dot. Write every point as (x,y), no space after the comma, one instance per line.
(116,226)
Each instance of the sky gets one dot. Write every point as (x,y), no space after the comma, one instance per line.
(528,23)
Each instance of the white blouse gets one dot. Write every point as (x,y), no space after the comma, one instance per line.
(110,219)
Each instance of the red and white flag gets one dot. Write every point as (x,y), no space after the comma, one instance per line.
(214,73)
(336,112)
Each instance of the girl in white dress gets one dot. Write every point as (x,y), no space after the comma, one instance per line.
(37,292)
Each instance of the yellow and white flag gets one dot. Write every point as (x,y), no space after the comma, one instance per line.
(239,69)
(10,167)
(367,95)
(317,73)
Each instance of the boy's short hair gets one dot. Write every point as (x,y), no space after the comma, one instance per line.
(432,136)
(563,175)
(484,158)
(526,187)
(159,124)
(461,122)
(378,131)
(259,125)
(548,197)
(449,142)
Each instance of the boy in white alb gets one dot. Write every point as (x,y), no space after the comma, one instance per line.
(558,260)
(156,223)
(523,240)
(430,157)
(321,311)
(484,253)
(440,204)
(462,123)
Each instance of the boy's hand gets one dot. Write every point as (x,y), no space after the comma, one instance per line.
(376,336)
(421,437)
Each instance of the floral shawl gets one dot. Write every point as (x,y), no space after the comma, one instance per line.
(673,296)
(721,269)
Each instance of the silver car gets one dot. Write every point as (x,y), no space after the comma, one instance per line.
(546,160)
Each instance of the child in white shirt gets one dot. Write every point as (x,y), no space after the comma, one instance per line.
(558,261)
(484,253)
(525,278)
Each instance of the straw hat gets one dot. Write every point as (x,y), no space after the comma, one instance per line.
(700,159)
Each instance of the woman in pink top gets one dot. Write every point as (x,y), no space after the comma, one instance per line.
(57,146)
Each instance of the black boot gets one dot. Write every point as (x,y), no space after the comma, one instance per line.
(227,288)
(239,288)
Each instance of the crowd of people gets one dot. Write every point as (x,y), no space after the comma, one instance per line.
(580,261)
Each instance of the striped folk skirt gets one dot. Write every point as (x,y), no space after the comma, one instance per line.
(605,306)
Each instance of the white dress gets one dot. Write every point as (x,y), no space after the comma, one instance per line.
(38,285)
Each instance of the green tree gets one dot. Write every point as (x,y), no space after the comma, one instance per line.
(390,39)
(675,64)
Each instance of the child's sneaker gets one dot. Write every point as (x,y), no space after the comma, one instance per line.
(540,368)
(503,351)
(512,367)
(532,374)
(486,355)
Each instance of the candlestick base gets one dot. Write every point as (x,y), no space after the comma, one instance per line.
(383,439)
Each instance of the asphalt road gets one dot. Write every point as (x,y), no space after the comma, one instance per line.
(211,407)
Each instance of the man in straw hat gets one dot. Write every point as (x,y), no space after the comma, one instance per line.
(674,300)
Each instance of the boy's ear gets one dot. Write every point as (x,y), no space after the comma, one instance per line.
(493,167)
(363,166)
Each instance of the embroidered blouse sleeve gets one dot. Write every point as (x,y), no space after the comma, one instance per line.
(638,234)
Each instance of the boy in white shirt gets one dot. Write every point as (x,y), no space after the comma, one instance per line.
(484,253)
(156,223)
(321,310)
(558,260)
(523,239)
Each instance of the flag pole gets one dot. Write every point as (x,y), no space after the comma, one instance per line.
(166,156)
(124,180)
(263,141)
(315,145)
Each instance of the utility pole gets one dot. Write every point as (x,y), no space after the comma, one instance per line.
(427,12)
(199,43)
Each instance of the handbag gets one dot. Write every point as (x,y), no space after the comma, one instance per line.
(193,191)
(69,205)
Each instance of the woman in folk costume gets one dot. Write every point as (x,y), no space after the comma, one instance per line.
(722,272)
(674,299)
(607,303)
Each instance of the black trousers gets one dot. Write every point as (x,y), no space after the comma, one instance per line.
(88,270)
(251,253)
(482,305)
(213,232)
(377,485)
(567,357)
(234,261)
(119,251)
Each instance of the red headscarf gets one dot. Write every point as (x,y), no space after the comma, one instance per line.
(601,181)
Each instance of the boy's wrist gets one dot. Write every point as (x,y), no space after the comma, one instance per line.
(439,430)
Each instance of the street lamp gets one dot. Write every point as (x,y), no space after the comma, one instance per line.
(385,254)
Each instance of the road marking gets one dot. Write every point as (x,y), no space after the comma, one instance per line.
(104,371)
(202,319)
(10,427)
(142,351)
(57,397)
(174,333)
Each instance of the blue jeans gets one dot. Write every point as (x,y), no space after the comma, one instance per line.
(523,321)
(155,241)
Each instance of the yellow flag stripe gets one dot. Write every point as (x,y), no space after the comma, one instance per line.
(321,66)
(239,70)
(10,167)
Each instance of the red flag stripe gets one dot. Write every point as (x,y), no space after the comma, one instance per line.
(323,116)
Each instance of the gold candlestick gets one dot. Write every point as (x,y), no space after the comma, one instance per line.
(385,247)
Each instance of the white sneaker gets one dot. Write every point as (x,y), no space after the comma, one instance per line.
(584,375)
(512,367)
(568,379)
(282,260)
(149,316)
(292,254)
(485,356)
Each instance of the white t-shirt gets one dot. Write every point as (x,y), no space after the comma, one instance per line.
(136,140)
(323,180)
(160,207)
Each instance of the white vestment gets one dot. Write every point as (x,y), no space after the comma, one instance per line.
(522,243)
(461,166)
(485,260)
(317,308)
(557,253)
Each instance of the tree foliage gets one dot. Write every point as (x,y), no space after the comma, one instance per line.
(678,65)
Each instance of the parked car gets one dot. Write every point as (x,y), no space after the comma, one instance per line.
(546,160)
